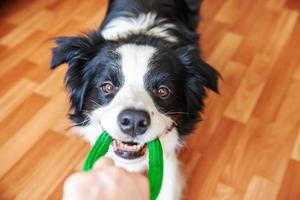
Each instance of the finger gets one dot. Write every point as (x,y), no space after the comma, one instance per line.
(74,186)
(140,179)
(142,183)
(81,186)
(103,163)
(109,175)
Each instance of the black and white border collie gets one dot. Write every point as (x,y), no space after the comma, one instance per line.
(139,77)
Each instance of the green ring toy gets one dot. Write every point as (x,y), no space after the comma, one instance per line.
(155,172)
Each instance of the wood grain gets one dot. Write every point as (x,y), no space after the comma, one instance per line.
(246,148)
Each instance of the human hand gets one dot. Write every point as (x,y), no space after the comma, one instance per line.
(106,182)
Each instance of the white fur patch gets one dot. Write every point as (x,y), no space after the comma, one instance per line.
(122,26)
(134,63)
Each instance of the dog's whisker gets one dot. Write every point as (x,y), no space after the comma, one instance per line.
(94,101)
(171,113)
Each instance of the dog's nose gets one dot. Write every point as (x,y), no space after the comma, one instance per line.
(134,122)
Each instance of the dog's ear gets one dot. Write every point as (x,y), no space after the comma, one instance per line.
(199,75)
(76,52)
(195,66)
(77,48)
(66,50)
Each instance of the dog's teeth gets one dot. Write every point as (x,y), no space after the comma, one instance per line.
(118,145)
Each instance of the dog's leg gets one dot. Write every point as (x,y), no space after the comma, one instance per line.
(173,181)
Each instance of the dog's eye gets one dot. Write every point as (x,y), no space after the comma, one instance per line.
(108,88)
(163,92)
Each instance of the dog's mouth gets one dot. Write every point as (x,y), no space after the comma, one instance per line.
(128,150)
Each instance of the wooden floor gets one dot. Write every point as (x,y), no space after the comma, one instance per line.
(247,147)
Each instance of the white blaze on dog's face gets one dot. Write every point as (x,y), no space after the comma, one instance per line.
(133,95)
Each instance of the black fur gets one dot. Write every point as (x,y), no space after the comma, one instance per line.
(178,11)
(93,60)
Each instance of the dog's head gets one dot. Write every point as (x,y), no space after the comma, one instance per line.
(136,92)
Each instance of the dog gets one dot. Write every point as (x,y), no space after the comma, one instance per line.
(139,76)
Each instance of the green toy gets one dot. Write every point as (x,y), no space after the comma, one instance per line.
(155,172)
